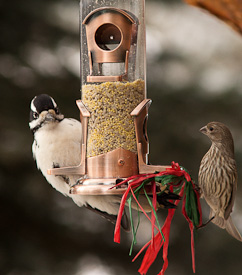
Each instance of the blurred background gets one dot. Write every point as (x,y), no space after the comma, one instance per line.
(193,76)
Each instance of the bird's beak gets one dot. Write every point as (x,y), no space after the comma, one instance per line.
(203,130)
(50,116)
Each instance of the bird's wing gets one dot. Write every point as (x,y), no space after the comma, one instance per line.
(234,188)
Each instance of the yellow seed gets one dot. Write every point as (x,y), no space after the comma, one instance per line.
(110,124)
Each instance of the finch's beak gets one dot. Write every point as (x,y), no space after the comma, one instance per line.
(203,130)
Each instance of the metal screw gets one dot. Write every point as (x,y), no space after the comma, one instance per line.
(121,162)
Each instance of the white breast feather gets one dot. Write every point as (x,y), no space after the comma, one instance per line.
(62,145)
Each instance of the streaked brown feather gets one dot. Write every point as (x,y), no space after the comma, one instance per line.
(217,176)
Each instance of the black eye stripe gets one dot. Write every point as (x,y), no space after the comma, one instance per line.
(35,115)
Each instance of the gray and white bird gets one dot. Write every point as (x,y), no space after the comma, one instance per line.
(57,143)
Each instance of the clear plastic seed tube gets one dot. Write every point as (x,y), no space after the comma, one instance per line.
(112,71)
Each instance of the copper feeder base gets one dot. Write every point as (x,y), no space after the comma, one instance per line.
(106,189)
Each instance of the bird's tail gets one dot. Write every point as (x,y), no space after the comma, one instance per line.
(228,225)
(232,230)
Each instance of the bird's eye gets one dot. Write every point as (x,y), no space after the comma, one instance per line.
(57,111)
(211,129)
(35,115)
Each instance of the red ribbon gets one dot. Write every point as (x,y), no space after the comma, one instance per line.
(157,241)
(151,253)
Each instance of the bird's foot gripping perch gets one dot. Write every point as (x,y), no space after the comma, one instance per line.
(173,183)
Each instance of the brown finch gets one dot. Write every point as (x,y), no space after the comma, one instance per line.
(217,176)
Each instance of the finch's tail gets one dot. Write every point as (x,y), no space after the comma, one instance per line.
(228,225)
(232,230)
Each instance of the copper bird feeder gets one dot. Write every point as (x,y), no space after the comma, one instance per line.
(114,107)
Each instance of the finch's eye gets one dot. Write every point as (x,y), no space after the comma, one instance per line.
(35,115)
(211,129)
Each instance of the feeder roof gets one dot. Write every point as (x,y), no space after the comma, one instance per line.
(131,17)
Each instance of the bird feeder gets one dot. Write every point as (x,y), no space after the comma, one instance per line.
(114,107)
(114,112)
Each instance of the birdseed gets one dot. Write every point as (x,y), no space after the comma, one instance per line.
(110,125)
